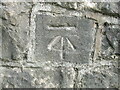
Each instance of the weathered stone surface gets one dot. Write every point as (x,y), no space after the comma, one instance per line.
(38,77)
(101,75)
(15,30)
(27,35)
(108,7)
(111,40)
(63,38)
(0,38)
(2,73)
(8,48)
(16,78)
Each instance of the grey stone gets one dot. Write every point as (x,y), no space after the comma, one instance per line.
(67,5)
(110,41)
(15,78)
(15,30)
(0,39)
(62,38)
(92,77)
(2,73)
(108,7)
(46,77)
(8,48)
(50,68)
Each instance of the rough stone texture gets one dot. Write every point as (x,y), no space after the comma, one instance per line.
(19,67)
(63,39)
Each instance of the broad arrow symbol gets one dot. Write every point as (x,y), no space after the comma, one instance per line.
(61,49)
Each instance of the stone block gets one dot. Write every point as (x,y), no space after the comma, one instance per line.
(63,38)
(111,40)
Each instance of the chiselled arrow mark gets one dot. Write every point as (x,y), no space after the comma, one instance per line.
(60,39)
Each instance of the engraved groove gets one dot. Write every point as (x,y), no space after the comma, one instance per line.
(61,28)
(61,50)
(71,45)
(53,42)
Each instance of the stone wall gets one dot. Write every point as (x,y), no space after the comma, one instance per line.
(59,44)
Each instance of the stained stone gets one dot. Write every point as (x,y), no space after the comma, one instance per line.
(63,38)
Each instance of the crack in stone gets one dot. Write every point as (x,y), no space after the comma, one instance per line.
(106,13)
(76,77)
(30,12)
(56,4)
